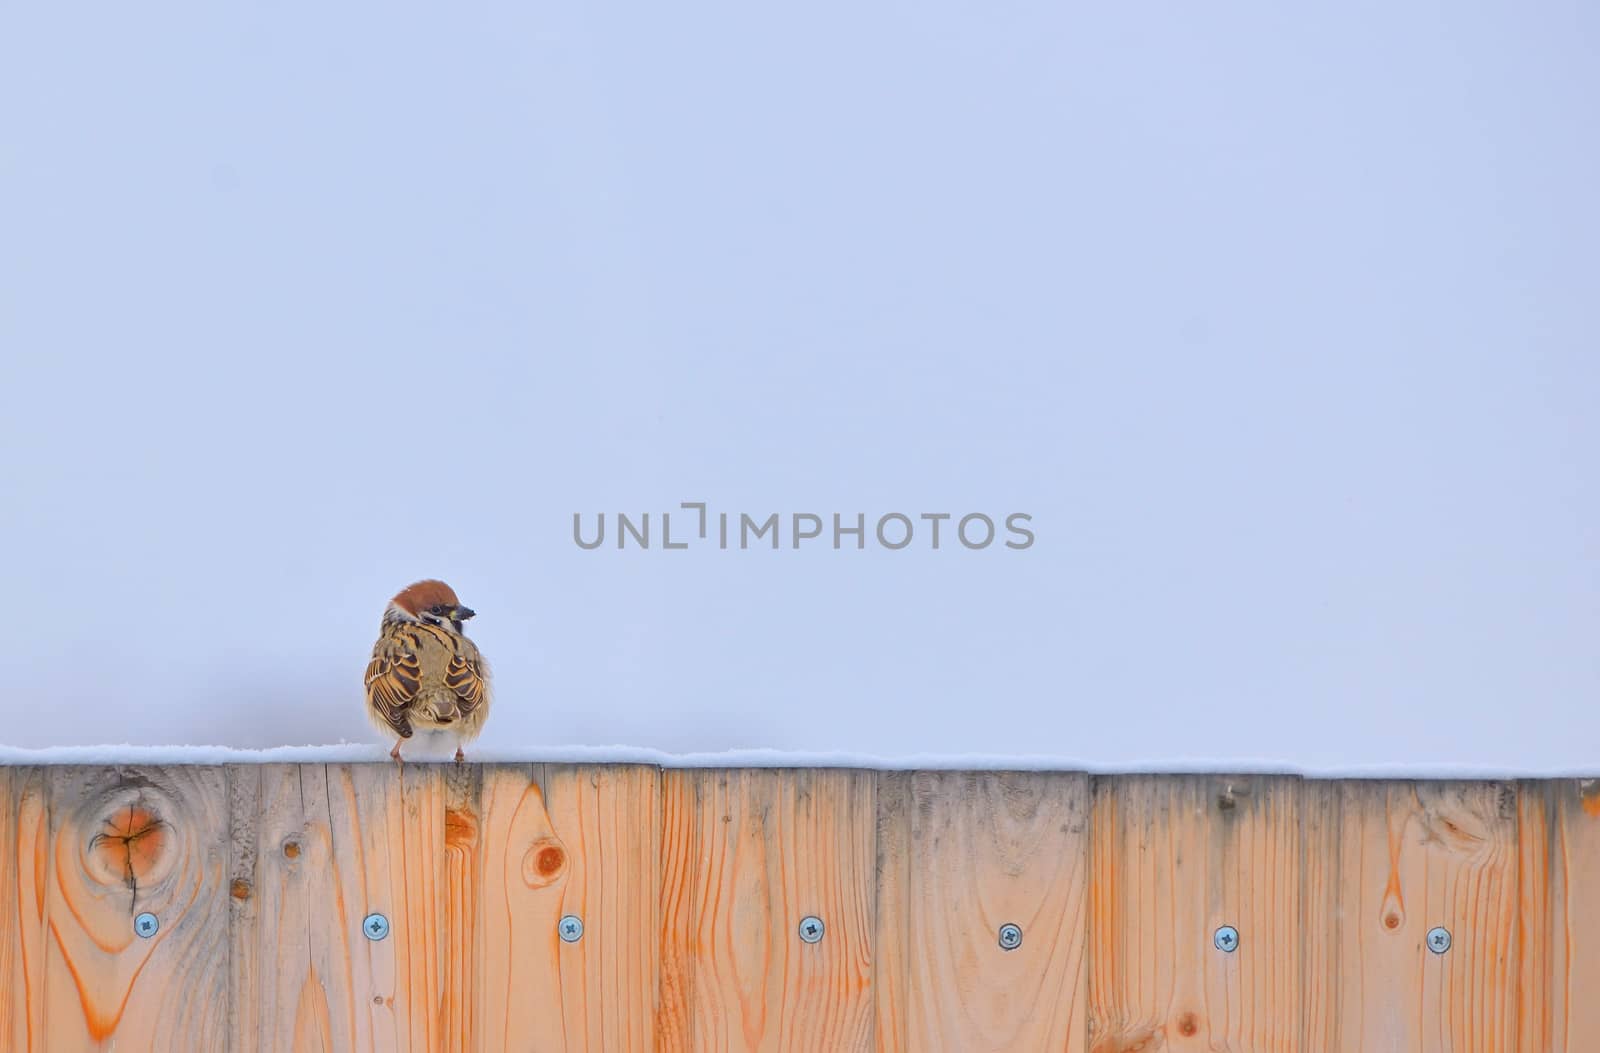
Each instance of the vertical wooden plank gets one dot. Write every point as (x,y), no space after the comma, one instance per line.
(607,818)
(522,867)
(331,1012)
(1171,861)
(1417,856)
(24,842)
(288,936)
(774,847)
(1565,1015)
(249,962)
(387,838)
(1536,936)
(960,855)
(1322,925)
(463,879)
(126,841)
(679,854)
(892,938)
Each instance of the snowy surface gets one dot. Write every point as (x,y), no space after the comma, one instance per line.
(359,753)
(1280,322)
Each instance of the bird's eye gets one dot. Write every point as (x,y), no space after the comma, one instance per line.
(436,609)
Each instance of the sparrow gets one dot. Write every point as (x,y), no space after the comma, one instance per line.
(424,671)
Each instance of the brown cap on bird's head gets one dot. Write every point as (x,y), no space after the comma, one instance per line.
(431,597)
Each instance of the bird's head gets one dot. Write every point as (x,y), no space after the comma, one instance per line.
(431,602)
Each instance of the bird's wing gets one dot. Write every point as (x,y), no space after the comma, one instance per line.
(393,676)
(469,679)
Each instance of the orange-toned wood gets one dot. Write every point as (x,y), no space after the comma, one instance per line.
(24,852)
(1171,861)
(521,866)
(893,1013)
(691,885)
(770,848)
(1322,926)
(463,882)
(959,855)
(386,837)
(1410,857)
(1535,935)
(525,846)
(126,841)
(1559,924)
(679,849)
(607,818)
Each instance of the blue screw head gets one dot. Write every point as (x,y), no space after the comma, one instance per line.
(1010,937)
(571,929)
(146,925)
(376,926)
(811,929)
(1226,939)
(1439,940)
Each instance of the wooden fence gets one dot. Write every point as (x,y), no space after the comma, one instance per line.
(234,909)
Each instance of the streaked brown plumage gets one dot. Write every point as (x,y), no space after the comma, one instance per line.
(424,672)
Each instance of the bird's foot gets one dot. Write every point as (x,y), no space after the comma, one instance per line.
(461,758)
(394,754)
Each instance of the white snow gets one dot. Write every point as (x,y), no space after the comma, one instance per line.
(360,753)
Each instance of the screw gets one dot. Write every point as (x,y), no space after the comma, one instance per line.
(146,924)
(1438,940)
(1010,937)
(376,926)
(1226,939)
(571,929)
(811,929)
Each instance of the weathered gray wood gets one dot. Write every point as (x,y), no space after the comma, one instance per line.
(960,854)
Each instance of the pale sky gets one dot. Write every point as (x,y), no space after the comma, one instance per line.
(1282,324)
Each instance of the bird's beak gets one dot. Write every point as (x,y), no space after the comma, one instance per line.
(461,614)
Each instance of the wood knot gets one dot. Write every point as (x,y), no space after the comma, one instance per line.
(291,849)
(130,843)
(460,829)
(544,863)
(1392,912)
(1188,1024)
(240,889)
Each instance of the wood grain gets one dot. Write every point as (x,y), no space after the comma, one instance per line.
(386,839)
(24,852)
(766,849)
(691,885)
(521,867)
(679,848)
(1535,937)
(524,846)
(1558,923)
(1171,861)
(463,880)
(1412,856)
(959,855)
(126,841)
(284,926)
(607,818)
(1322,924)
